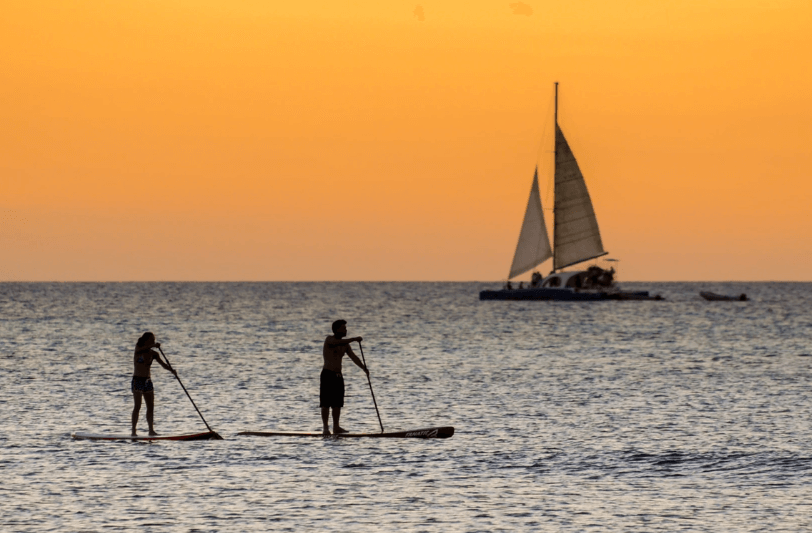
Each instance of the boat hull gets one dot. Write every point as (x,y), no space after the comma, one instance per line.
(209,435)
(563,295)
(713,297)
(424,433)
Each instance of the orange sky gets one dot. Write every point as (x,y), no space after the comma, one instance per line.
(257,140)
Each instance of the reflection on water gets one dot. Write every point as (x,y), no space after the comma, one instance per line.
(646,416)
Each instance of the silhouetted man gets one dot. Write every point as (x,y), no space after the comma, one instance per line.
(331,383)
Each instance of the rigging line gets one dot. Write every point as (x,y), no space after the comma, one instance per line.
(544,131)
(544,139)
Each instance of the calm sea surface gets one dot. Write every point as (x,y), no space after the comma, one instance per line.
(676,415)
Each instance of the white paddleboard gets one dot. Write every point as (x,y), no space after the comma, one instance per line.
(194,436)
(424,433)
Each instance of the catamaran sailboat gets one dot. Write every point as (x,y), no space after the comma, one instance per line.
(576,239)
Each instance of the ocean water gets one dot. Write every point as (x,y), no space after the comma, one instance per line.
(675,415)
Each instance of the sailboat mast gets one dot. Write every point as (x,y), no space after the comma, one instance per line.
(555,153)
(556,103)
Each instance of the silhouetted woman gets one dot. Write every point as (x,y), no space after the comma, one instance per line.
(142,384)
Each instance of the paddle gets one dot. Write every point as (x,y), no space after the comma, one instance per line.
(216,436)
(370,386)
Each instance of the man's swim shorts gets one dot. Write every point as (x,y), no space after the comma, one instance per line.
(331,389)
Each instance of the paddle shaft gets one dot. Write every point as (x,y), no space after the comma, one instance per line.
(370,386)
(187,393)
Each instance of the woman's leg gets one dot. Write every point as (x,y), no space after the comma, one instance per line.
(136,409)
(149,398)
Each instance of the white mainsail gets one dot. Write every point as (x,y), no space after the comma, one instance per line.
(576,234)
(533,247)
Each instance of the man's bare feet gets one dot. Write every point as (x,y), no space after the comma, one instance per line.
(326,432)
(153,433)
(133,434)
(339,430)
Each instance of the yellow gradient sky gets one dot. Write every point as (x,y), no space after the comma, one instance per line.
(323,140)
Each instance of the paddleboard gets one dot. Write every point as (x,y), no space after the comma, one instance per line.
(195,436)
(424,433)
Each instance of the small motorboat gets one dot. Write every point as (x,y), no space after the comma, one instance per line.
(713,297)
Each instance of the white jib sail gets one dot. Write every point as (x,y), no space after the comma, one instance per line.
(534,244)
(576,233)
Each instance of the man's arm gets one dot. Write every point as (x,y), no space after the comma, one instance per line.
(356,360)
(332,341)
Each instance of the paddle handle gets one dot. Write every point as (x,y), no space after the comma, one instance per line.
(187,393)
(370,386)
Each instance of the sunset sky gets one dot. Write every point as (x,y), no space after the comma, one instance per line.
(396,140)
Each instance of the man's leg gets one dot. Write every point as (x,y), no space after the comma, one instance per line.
(325,417)
(340,400)
(136,409)
(336,416)
(149,398)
